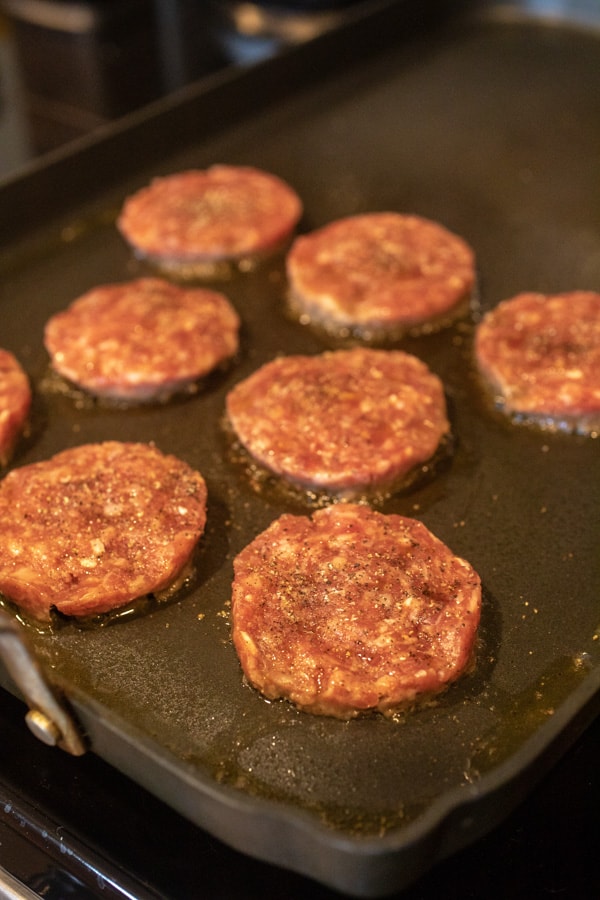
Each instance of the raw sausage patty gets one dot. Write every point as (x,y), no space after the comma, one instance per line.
(96,527)
(352,610)
(15,403)
(205,216)
(540,355)
(141,340)
(342,421)
(380,274)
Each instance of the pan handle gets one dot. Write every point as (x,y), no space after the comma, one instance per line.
(49,717)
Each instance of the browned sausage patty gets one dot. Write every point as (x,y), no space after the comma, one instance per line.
(207,216)
(142,340)
(352,611)
(380,274)
(96,527)
(540,355)
(342,421)
(15,403)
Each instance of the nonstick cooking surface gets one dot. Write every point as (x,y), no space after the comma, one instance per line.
(490,126)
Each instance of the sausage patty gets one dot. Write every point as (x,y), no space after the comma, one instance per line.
(15,403)
(141,340)
(540,356)
(352,611)
(343,421)
(190,220)
(96,527)
(380,275)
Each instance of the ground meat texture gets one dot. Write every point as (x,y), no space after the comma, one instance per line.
(15,403)
(380,274)
(97,527)
(353,611)
(142,340)
(343,421)
(207,216)
(540,356)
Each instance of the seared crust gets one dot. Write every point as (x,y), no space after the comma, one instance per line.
(141,340)
(540,356)
(15,403)
(353,611)
(379,274)
(342,421)
(96,527)
(205,216)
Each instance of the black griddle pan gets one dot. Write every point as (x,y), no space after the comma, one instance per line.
(479,116)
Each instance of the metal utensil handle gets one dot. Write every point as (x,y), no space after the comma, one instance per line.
(49,717)
(13,889)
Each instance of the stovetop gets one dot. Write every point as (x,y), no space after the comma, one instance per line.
(75,828)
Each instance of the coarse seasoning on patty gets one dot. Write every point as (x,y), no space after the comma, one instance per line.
(378,275)
(352,611)
(223,213)
(539,355)
(343,421)
(96,527)
(15,403)
(142,340)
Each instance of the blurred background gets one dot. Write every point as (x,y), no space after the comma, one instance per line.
(67,67)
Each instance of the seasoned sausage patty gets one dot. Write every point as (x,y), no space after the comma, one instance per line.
(352,611)
(379,275)
(96,527)
(540,356)
(343,421)
(15,403)
(141,340)
(187,221)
